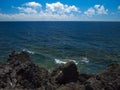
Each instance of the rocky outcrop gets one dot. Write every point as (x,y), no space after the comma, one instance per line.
(109,79)
(65,73)
(20,73)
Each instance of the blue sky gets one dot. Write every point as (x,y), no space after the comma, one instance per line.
(59,10)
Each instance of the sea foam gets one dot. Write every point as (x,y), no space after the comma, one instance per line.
(30,52)
(64,62)
(85,60)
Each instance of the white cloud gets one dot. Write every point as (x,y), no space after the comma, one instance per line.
(71,8)
(90,12)
(60,8)
(33,11)
(30,7)
(54,7)
(96,6)
(37,17)
(96,10)
(119,7)
(27,10)
(33,4)
(100,9)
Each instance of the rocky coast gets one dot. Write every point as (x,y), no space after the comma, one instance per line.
(20,73)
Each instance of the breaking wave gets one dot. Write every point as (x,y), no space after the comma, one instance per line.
(30,52)
(64,62)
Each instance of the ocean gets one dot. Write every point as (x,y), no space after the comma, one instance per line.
(91,45)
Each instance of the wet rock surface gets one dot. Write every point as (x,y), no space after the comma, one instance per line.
(20,73)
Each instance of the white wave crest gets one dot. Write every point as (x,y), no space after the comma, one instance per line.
(64,62)
(85,60)
(60,62)
(31,52)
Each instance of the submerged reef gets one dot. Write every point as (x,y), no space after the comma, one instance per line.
(20,73)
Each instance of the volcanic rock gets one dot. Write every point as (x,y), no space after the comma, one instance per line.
(20,73)
(66,73)
(108,79)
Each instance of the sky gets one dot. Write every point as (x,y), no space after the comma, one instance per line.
(59,10)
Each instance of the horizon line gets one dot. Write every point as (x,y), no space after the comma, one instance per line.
(58,21)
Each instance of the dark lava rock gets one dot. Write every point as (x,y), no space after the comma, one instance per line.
(83,77)
(20,73)
(66,73)
(72,86)
(108,79)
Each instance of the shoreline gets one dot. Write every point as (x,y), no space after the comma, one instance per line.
(20,73)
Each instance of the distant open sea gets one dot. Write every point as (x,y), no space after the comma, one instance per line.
(91,45)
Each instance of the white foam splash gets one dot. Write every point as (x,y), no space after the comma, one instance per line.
(85,60)
(60,62)
(31,52)
(64,62)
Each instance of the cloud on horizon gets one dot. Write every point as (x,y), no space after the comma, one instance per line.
(33,11)
(90,12)
(97,9)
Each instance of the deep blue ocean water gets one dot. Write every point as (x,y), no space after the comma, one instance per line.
(91,45)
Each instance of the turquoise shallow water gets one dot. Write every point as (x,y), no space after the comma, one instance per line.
(91,45)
